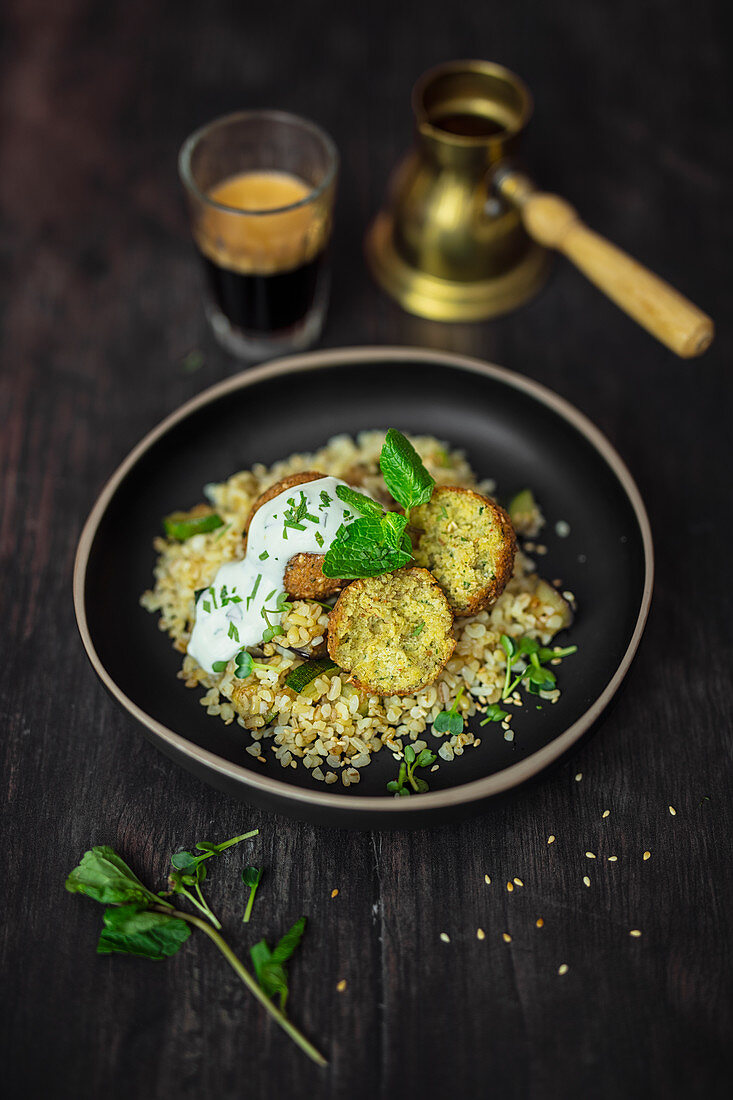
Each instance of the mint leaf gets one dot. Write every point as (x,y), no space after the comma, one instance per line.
(106,878)
(269,965)
(361,503)
(285,947)
(404,474)
(365,548)
(130,930)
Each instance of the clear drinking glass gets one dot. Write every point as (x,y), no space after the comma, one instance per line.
(260,188)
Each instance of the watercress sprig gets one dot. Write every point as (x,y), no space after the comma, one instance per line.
(412,760)
(450,721)
(139,922)
(188,870)
(535,677)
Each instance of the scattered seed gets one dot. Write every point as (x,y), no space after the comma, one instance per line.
(578,777)
(635,933)
(334,893)
(605,813)
(506,937)
(487,880)
(672,811)
(613,859)
(586,880)
(480,934)
(445,937)
(647,855)
(539,922)
(550,839)
(563,969)
(518,882)
(341,985)
(509,735)
(510,886)
(590,855)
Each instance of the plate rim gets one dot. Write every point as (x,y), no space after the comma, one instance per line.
(452,797)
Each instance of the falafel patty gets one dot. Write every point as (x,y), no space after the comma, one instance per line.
(393,633)
(304,579)
(468,544)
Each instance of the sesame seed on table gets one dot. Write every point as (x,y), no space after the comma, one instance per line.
(548,989)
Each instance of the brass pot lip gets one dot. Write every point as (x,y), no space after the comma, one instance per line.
(488,68)
(404,808)
(186,152)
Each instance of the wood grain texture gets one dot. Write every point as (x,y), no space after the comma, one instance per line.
(100,305)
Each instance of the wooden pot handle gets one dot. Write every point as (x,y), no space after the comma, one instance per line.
(654,304)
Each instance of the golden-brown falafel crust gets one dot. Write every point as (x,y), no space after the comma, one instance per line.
(468,543)
(392,634)
(304,579)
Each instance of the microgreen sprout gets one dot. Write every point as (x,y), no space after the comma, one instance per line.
(532,656)
(250,877)
(189,871)
(406,774)
(494,713)
(450,721)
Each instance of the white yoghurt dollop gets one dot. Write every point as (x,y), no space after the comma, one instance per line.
(242,601)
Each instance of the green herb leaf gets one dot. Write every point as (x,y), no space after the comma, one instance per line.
(404,474)
(180,527)
(508,645)
(185,861)
(363,504)
(269,965)
(494,713)
(130,930)
(410,754)
(365,548)
(426,759)
(106,878)
(285,947)
(220,666)
(244,664)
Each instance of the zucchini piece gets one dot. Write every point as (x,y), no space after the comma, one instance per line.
(181,526)
(301,676)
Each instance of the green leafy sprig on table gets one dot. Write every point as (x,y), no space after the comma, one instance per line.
(269,965)
(189,870)
(399,786)
(139,922)
(377,541)
(533,656)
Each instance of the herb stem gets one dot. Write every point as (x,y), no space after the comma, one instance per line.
(201,906)
(206,908)
(244,974)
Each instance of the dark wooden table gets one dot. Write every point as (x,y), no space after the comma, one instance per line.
(101,303)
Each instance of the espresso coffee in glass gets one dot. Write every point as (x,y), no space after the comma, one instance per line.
(261,187)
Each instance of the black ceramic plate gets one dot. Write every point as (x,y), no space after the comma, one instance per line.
(512,429)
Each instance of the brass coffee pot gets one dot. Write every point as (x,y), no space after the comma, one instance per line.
(464,234)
